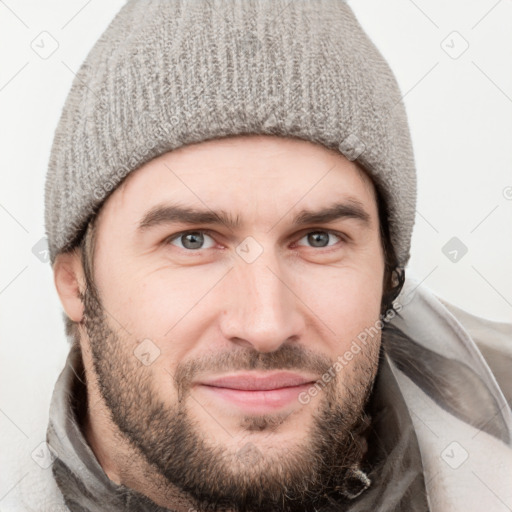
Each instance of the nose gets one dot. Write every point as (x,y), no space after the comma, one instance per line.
(264,308)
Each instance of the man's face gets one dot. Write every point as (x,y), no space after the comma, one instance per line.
(207,339)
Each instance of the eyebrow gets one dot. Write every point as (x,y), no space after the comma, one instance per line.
(173,213)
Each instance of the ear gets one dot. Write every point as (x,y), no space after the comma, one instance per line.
(70,283)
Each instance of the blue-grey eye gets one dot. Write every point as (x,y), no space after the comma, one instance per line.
(319,238)
(191,240)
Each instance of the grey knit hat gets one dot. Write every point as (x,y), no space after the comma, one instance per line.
(167,73)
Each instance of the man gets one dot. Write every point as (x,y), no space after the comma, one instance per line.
(229,209)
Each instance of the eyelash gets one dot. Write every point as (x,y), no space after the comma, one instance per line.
(170,239)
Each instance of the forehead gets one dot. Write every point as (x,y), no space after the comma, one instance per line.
(263,173)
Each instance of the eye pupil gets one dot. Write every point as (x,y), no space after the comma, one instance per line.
(317,238)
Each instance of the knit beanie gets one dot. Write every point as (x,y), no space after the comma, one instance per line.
(167,73)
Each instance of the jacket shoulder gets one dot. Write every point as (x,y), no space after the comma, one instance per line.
(493,339)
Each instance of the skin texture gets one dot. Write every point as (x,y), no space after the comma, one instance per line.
(198,313)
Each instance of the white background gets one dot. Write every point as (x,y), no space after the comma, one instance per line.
(460,112)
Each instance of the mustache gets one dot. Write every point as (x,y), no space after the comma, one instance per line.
(286,357)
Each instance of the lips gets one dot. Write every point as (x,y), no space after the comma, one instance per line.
(251,382)
(257,393)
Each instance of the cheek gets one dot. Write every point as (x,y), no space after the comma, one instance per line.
(158,310)
(346,299)
(363,286)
